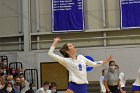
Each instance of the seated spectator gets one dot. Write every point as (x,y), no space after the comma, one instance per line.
(2,76)
(32,88)
(10,79)
(53,87)
(13,72)
(24,84)
(17,85)
(9,88)
(44,89)
(2,87)
(5,63)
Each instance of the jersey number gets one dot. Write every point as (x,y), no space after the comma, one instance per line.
(80,67)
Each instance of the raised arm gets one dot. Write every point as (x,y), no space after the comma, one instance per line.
(98,63)
(53,55)
(56,41)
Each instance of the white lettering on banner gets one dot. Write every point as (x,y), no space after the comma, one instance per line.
(61,5)
(130,1)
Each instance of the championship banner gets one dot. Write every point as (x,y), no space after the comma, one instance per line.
(67,15)
(130,13)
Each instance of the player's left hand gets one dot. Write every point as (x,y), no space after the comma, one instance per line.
(108,59)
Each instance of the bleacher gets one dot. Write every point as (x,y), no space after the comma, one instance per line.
(94,86)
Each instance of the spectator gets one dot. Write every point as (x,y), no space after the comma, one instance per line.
(5,63)
(24,84)
(2,87)
(53,87)
(10,79)
(2,76)
(17,85)
(13,72)
(32,88)
(45,88)
(9,88)
(111,79)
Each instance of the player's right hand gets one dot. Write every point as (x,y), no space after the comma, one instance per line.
(57,39)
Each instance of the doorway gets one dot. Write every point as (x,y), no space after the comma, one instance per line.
(54,72)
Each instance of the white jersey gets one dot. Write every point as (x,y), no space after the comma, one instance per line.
(137,81)
(76,67)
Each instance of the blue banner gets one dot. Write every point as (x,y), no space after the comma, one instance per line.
(130,13)
(67,15)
